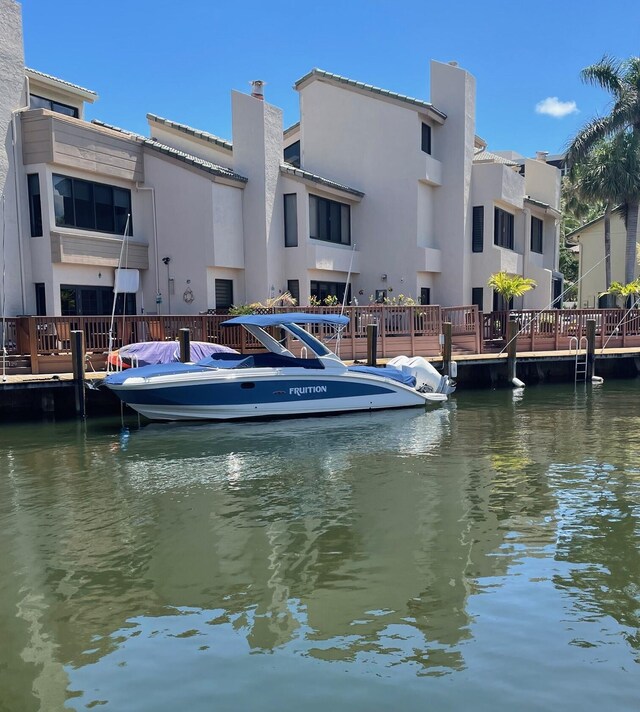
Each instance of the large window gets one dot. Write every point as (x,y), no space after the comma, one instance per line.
(477,237)
(224,293)
(426,138)
(91,206)
(322,290)
(290,220)
(503,228)
(78,300)
(39,102)
(329,220)
(292,154)
(35,207)
(536,235)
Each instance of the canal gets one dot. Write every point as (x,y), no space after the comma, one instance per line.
(482,554)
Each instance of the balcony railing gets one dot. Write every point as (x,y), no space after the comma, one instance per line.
(411,330)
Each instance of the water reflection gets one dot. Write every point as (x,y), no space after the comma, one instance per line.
(378,543)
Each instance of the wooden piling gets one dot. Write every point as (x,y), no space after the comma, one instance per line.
(447,348)
(591,349)
(372,344)
(77,361)
(512,348)
(184,336)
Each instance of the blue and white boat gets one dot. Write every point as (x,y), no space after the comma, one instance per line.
(277,383)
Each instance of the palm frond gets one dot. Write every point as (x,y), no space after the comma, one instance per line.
(606,74)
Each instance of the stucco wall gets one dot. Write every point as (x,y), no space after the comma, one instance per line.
(11,98)
(374,146)
(592,266)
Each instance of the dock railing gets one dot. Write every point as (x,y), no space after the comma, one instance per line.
(43,342)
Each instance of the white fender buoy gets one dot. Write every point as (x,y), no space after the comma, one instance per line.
(517,383)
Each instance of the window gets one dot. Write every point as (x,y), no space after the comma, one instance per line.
(500,303)
(425,295)
(91,206)
(477,236)
(503,228)
(477,297)
(426,138)
(536,235)
(41,299)
(293,287)
(39,102)
(78,300)
(329,220)
(322,290)
(35,207)
(224,293)
(290,220)
(292,154)
(381,295)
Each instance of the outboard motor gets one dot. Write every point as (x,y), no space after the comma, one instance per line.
(428,379)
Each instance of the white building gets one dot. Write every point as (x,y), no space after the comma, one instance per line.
(397,191)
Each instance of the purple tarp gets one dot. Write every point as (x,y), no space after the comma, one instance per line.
(150,352)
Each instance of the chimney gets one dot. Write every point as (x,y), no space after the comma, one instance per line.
(542,156)
(257,89)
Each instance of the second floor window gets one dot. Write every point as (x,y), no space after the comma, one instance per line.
(536,235)
(426,138)
(91,206)
(39,102)
(329,220)
(503,228)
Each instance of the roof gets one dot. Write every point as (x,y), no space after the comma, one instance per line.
(287,318)
(369,88)
(488,157)
(306,175)
(586,225)
(197,133)
(207,166)
(292,129)
(540,204)
(90,96)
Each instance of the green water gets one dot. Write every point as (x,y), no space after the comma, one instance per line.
(481,555)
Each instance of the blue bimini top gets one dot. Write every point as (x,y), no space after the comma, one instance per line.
(287,318)
(394,374)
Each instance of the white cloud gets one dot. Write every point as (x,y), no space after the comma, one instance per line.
(552,106)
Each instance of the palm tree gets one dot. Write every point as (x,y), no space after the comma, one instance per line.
(509,286)
(602,178)
(629,292)
(622,80)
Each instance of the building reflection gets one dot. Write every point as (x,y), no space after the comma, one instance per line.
(333,538)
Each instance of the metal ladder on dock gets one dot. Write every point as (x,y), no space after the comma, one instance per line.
(580,374)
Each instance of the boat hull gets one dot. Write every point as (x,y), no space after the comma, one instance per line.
(229,396)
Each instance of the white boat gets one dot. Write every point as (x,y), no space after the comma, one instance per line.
(277,383)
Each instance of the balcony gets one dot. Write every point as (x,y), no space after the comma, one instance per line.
(432,171)
(332,258)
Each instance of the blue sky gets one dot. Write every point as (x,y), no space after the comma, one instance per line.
(181,59)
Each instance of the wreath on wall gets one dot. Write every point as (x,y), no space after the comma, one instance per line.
(188,295)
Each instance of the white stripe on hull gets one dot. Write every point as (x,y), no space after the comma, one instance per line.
(265,410)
